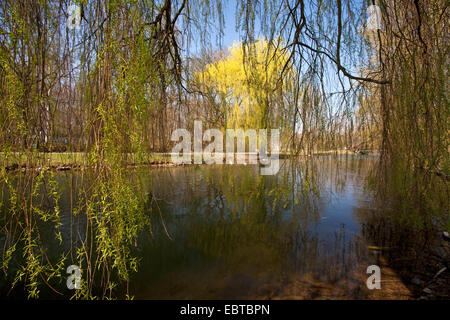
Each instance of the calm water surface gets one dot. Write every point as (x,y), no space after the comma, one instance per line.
(227,232)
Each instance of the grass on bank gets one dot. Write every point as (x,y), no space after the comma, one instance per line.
(41,159)
(58,159)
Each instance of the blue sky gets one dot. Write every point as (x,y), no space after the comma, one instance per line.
(230,34)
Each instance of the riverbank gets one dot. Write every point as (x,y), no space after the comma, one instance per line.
(63,161)
(71,160)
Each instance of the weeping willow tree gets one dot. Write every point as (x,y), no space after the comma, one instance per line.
(126,74)
(133,71)
(249,95)
(106,88)
(385,76)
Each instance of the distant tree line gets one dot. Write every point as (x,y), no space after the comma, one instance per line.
(136,70)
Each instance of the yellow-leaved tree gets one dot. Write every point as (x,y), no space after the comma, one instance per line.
(248,86)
